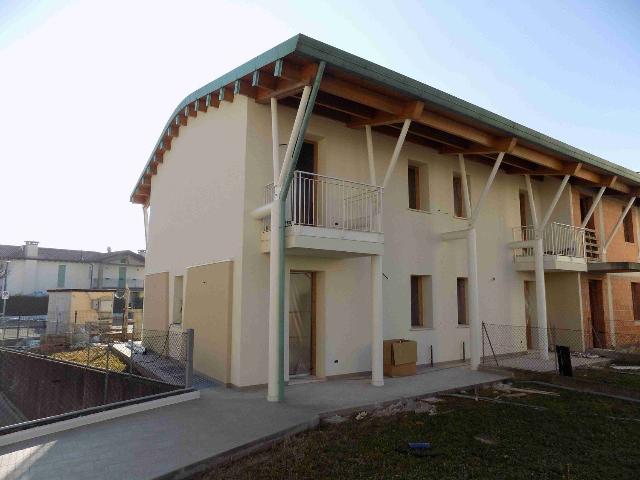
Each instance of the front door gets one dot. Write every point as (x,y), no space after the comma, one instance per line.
(301,323)
(596,305)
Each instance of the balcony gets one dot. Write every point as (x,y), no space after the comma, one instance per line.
(566,248)
(329,217)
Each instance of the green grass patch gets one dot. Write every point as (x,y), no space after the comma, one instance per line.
(610,376)
(591,437)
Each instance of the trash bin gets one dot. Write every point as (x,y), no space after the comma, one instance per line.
(399,357)
(564,361)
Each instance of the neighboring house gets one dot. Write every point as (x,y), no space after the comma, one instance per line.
(410,215)
(33,270)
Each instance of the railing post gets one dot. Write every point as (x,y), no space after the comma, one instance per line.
(188,377)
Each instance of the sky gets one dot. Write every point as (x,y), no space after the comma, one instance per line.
(86,86)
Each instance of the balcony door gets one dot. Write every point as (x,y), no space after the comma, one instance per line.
(305,195)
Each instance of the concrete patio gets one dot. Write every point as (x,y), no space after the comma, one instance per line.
(167,441)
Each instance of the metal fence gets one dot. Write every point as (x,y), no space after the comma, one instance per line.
(88,366)
(534,349)
(559,239)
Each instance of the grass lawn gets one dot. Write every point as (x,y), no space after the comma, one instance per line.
(609,376)
(575,432)
(97,358)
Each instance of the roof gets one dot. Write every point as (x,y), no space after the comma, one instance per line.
(534,147)
(13,252)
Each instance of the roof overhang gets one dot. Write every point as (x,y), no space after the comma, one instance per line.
(613,267)
(358,93)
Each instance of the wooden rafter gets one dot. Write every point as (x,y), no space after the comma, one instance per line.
(410,110)
(499,145)
(281,87)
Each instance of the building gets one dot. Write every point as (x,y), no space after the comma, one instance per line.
(33,269)
(398,212)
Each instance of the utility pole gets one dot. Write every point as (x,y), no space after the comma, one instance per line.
(4,272)
(125,313)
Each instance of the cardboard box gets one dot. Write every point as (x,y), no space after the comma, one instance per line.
(400,357)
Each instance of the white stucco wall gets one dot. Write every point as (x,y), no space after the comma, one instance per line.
(197,206)
(29,276)
(201,201)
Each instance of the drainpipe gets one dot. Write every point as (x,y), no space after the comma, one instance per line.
(280,204)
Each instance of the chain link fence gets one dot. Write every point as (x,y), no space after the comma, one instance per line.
(90,364)
(534,349)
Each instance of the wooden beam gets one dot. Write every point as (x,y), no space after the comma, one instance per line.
(201,104)
(343,89)
(243,87)
(608,180)
(410,110)
(499,145)
(569,168)
(191,110)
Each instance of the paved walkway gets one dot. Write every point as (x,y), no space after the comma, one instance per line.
(161,441)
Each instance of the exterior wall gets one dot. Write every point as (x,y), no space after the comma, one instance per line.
(197,207)
(208,305)
(209,221)
(412,246)
(155,313)
(111,274)
(619,250)
(29,276)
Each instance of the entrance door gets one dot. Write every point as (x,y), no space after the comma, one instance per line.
(530,310)
(596,305)
(305,196)
(301,323)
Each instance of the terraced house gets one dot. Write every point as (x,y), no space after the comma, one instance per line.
(310,204)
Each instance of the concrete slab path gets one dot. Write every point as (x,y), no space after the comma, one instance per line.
(167,440)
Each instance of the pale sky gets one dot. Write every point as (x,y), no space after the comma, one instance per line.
(86,86)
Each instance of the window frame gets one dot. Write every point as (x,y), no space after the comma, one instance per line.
(628,226)
(463,208)
(635,300)
(62,275)
(416,186)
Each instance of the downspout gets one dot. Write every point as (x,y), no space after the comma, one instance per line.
(282,200)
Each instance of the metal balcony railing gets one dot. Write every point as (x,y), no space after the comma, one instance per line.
(560,239)
(321,201)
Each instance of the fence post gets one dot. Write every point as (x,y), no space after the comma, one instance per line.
(131,355)
(188,377)
(18,332)
(482,334)
(106,376)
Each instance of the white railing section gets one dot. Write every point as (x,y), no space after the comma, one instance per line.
(560,239)
(321,201)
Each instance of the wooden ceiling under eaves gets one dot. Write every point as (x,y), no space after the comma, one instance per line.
(357,102)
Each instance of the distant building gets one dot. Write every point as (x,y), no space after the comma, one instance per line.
(33,270)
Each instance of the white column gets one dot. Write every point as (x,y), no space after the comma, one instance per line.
(145,213)
(541,296)
(274,295)
(275,139)
(475,328)
(377,376)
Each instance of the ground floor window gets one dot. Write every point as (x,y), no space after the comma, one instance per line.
(635,298)
(462,301)
(178,289)
(421,301)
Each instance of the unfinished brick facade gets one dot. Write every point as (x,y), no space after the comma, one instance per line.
(616,291)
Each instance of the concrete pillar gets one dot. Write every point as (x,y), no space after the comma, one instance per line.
(475,327)
(377,375)
(541,297)
(274,296)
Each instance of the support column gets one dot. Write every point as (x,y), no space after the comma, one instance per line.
(274,297)
(377,375)
(474,300)
(541,296)
(145,213)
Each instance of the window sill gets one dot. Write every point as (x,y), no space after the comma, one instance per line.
(420,329)
(419,210)
(463,326)
(455,217)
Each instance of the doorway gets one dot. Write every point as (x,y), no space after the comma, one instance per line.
(302,323)
(530,314)
(596,306)
(306,187)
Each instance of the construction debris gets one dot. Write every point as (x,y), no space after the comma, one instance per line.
(510,389)
(626,367)
(362,415)
(486,439)
(334,419)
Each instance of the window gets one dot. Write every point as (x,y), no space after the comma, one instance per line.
(62,273)
(122,277)
(462,301)
(635,299)
(421,301)
(418,187)
(459,208)
(628,226)
(413,177)
(177,298)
